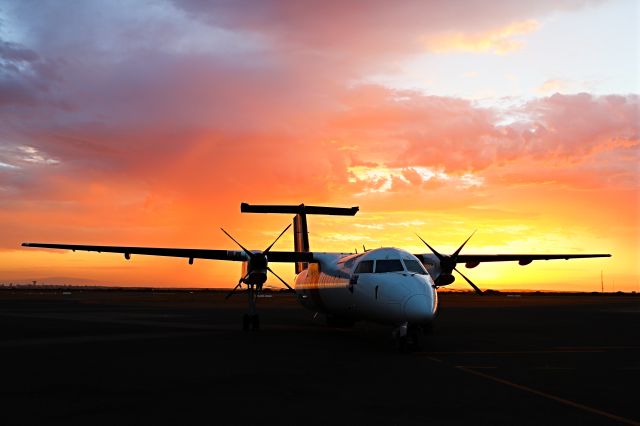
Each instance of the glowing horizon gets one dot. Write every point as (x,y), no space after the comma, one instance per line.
(148,124)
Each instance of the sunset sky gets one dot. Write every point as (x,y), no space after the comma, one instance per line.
(149,122)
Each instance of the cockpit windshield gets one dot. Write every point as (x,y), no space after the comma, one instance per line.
(414,266)
(364,267)
(389,265)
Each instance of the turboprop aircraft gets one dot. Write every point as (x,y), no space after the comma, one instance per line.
(384,285)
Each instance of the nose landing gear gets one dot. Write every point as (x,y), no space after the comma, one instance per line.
(407,337)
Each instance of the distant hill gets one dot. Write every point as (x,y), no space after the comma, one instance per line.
(61,281)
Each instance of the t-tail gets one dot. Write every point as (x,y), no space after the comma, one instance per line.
(300,229)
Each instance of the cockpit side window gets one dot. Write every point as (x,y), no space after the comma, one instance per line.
(414,266)
(389,265)
(364,267)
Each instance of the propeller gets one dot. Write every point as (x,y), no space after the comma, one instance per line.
(278,277)
(448,262)
(475,287)
(235,288)
(257,262)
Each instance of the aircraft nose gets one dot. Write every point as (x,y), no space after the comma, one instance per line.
(417,308)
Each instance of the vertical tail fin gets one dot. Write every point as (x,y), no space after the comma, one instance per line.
(300,238)
(301,232)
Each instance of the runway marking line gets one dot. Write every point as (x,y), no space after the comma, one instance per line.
(549,396)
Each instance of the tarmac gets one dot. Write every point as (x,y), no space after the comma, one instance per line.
(148,357)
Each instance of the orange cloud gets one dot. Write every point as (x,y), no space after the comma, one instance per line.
(442,162)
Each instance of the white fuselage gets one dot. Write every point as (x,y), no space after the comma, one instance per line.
(397,294)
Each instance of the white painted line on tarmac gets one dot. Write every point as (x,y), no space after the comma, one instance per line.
(550,396)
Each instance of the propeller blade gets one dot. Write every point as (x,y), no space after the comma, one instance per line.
(278,277)
(235,288)
(455,254)
(276,240)
(438,255)
(241,246)
(475,287)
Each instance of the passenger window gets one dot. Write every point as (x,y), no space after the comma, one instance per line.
(364,267)
(389,265)
(414,266)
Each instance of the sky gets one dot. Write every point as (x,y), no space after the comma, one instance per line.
(148,122)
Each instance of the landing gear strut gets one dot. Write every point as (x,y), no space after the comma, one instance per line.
(251,321)
(407,337)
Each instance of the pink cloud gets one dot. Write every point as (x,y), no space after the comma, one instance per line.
(147,139)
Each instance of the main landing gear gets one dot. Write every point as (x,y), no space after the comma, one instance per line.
(251,321)
(407,337)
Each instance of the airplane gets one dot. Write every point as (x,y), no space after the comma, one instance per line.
(384,285)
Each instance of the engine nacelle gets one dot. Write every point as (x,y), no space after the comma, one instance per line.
(524,262)
(471,264)
(254,270)
(444,279)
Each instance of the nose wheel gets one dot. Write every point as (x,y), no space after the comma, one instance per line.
(407,337)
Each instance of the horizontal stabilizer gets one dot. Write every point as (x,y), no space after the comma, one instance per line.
(298,209)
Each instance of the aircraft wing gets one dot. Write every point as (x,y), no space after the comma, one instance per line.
(524,259)
(189,253)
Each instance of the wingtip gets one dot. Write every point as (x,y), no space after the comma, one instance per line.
(26,244)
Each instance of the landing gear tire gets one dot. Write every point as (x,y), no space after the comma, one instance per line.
(413,336)
(408,338)
(250,322)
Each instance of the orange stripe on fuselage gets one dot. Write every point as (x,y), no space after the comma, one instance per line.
(314,281)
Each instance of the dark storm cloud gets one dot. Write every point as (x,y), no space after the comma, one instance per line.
(24,76)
